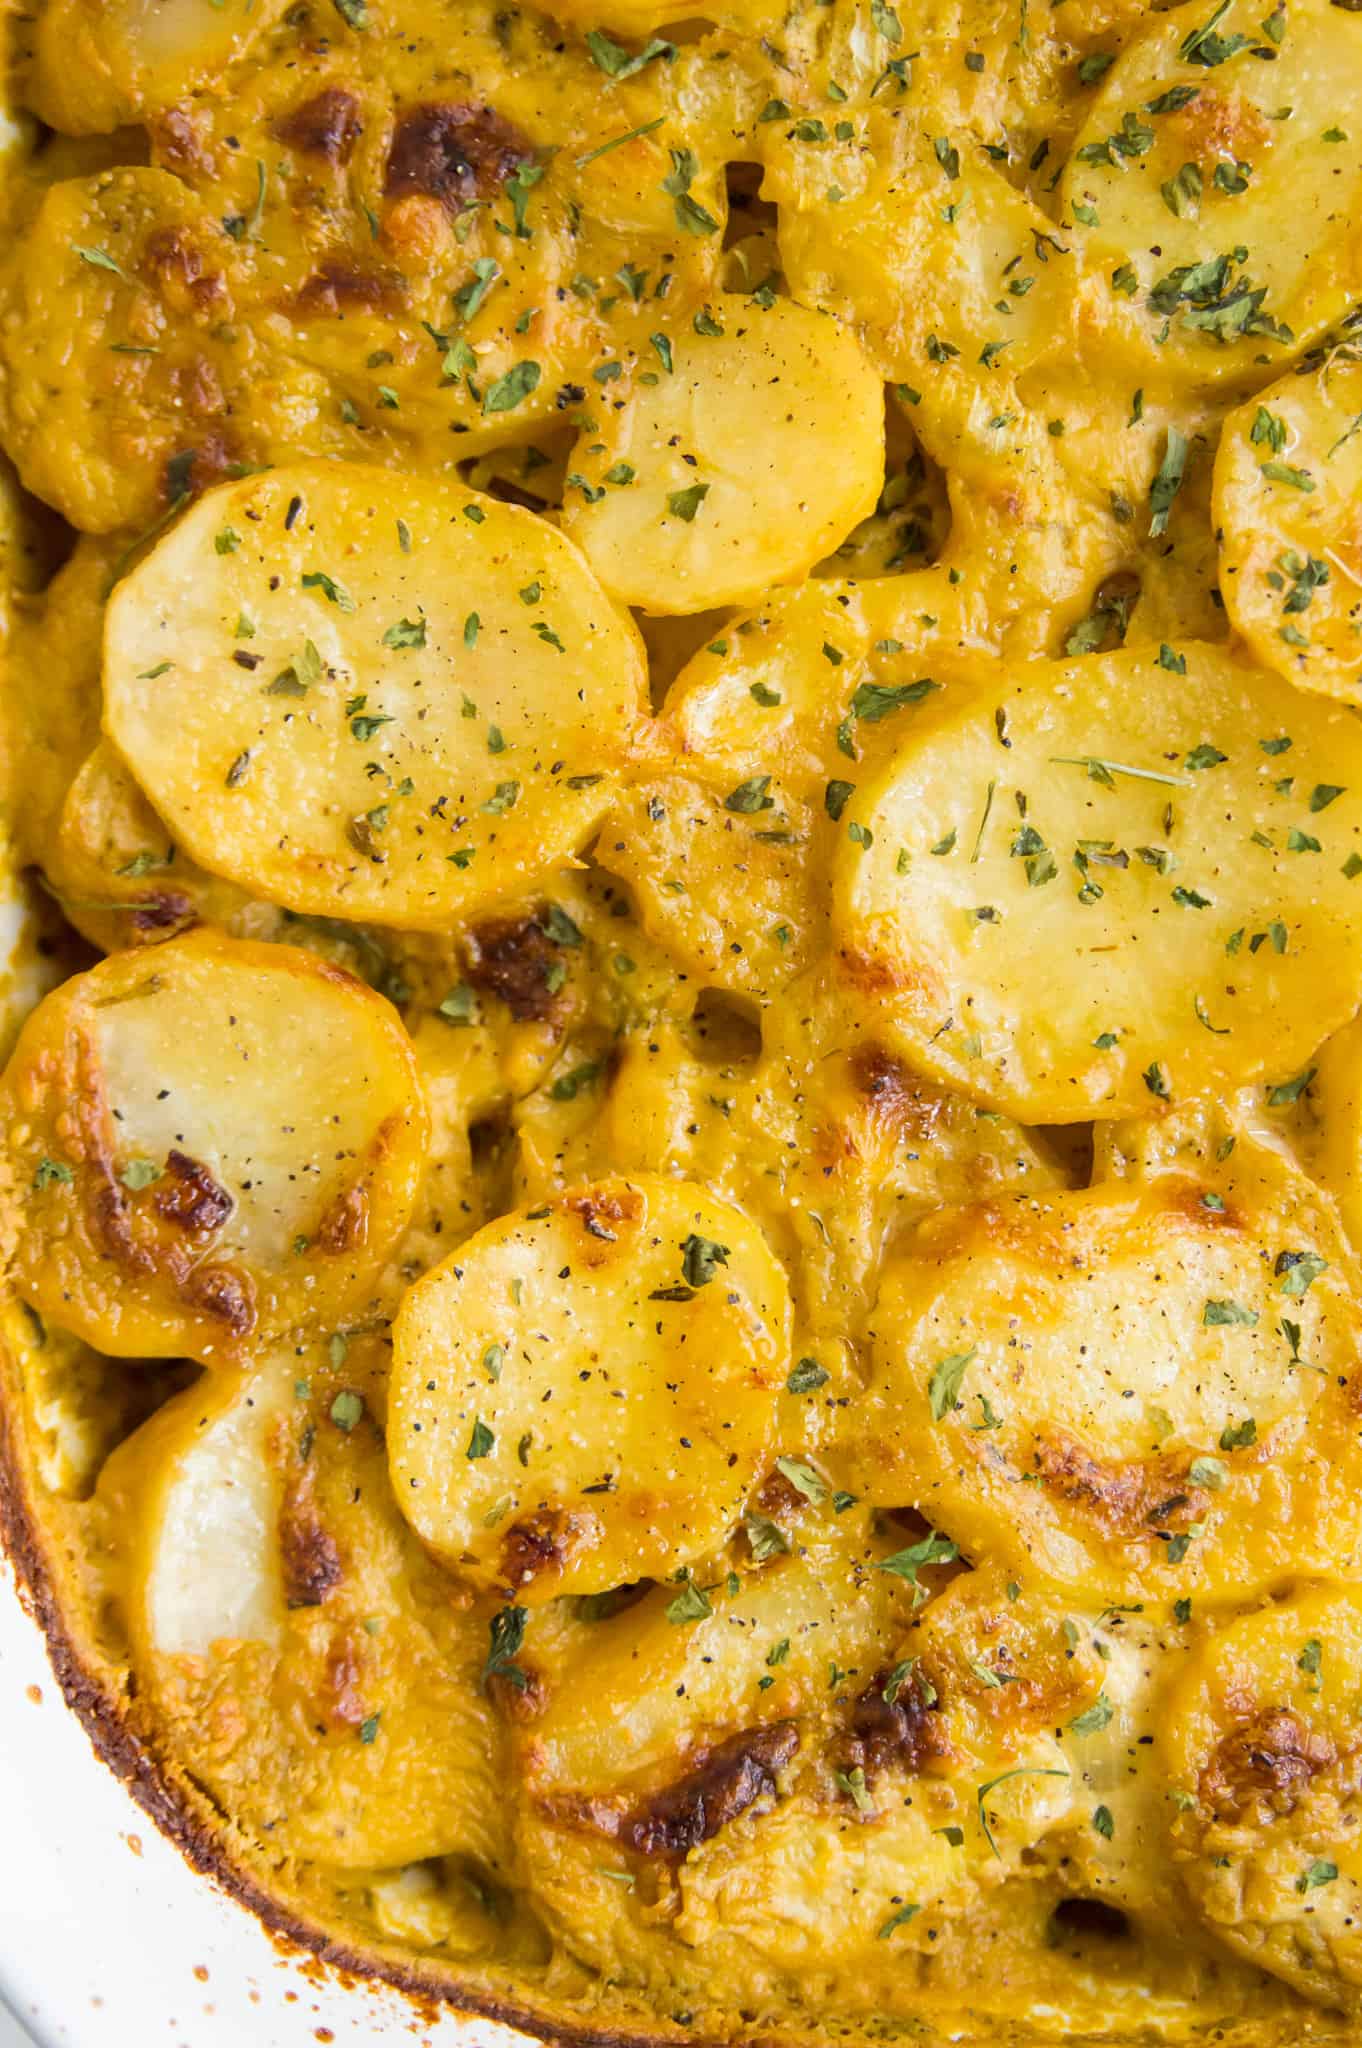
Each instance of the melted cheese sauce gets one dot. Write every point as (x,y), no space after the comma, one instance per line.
(679,1161)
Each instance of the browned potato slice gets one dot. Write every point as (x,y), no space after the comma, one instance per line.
(390,698)
(209,1143)
(584,1393)
(117,301)
(1148,1385)
(299,1655)
(1261,1749)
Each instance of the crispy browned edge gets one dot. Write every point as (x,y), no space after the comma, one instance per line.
(188,1820)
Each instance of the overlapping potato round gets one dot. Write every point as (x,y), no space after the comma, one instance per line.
(725,846)
(1288,513)
(1097,885)
(805,1720)
(93,66)
(583,1394)
(1215,180)
(755,452)
(371,696)
(115,305)
(1145,1384)
(1262,1748)
(301,1656)
(210,1143)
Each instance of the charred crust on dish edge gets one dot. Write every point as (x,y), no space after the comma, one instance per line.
(187,1818)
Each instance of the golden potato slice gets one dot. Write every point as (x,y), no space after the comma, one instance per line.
(1264,1757)
(117,302)
(1096,885)
(726,847)
(389,698)
(210,1143)
(805,1720)
(1144,1386)
(1220,190)
(1288,512)
(584,1393)
(758,449)
(293,1649)
(94,65)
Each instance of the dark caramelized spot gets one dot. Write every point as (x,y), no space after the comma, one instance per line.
(189,471)
(345,1225)
(515,960)
(178,269)
(338,285)
(189,1197)
(894,1093)
(521,1702)
(1262,1769)
(311,1560)
(1127,1496)
(600,1212)
(328,125)
(162,910)
(544,1543)
(344,1704)
(453,152)
(904,1733)
(728,1779)
(223,1294)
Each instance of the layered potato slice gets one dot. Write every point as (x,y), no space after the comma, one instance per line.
(92,66)
(1146,1385)
(1263,1752)
(117,340)
(806,1768)
(1096,886)
(756,451)
(301,1658)
(1215,181)
(583,1394)
(208,1144)
(369,696)
(726,844)
(1288,513)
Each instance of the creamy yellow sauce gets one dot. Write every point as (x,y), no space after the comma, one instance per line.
(681,1147)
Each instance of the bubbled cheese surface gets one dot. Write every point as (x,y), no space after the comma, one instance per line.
(681,1145)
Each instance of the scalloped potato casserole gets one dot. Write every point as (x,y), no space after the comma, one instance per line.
(681,1143)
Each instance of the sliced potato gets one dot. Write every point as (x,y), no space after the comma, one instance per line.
(1288,510)
(117,301)
(371,696)
(210,1143)
(756,452)
(1262,1750)
(584,1393)
(292,1647)
(1099,884)
(1229,229)
(725,847)
(1145,1385)
(809,1723)
(94,65)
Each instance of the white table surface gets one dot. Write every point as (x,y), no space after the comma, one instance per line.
(12,2034)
